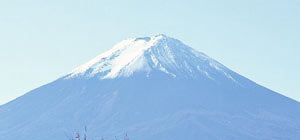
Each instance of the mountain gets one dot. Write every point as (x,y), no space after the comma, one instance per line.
(152,88)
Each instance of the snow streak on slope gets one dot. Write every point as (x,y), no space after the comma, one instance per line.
(147,54)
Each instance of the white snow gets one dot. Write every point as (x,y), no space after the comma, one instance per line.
(146,54)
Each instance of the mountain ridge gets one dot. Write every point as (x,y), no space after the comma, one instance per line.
(140,96)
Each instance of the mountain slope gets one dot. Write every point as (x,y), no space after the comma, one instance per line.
(152,88)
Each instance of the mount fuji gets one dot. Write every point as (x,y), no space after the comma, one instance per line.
(152,88)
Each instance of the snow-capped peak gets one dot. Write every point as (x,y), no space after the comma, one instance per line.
(148,54)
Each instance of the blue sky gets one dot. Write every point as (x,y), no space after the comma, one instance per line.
(41,40)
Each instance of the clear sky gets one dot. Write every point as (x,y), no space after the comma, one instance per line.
(41,40)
